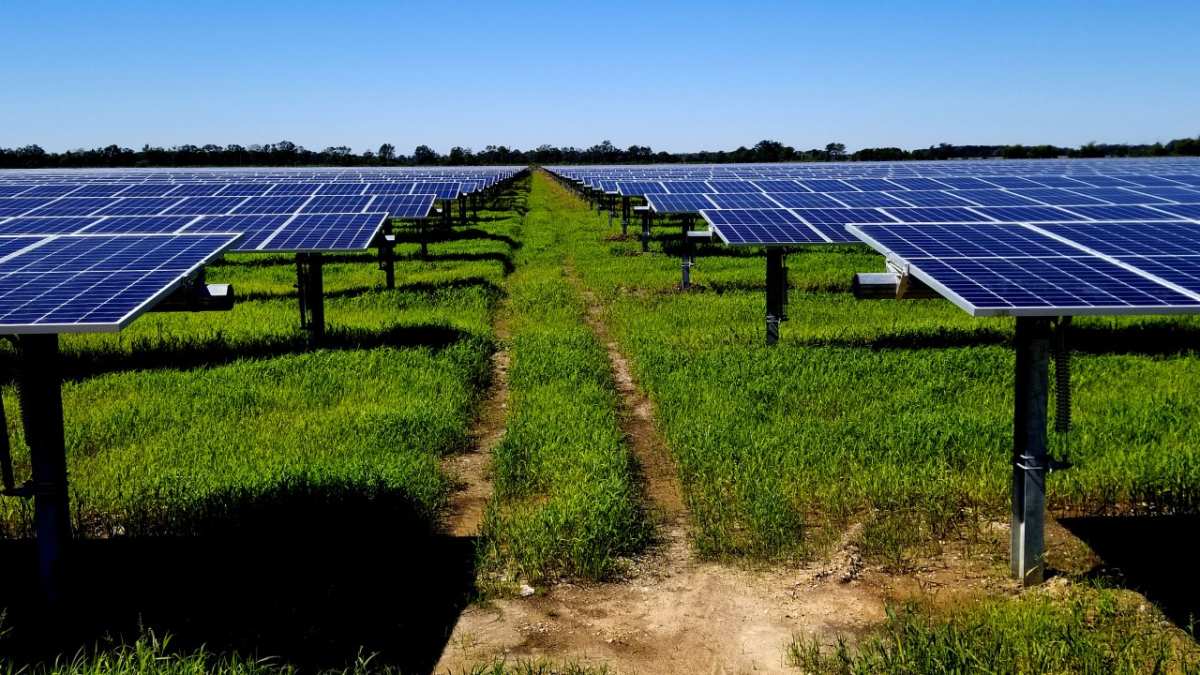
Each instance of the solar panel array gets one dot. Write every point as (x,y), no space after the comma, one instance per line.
(87,250)
(75,283)
(797,204)
(1021,238)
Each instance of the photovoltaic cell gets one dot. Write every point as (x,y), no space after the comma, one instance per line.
(326,232)
(678,203)
(760,227)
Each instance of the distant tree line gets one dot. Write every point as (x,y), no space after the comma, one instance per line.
(286,153)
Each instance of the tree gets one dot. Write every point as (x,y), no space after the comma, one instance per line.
(835,151)
(386,154)
(424,156)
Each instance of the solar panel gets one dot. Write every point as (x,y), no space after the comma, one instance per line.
(72,206)
(1119,213)
(935,215)
(267,205)
(205,206)
(743,200)
(1184,210)
(996,197)
(686,186)
(336,204)
(138,206)
(45,225)
(1132,238)
(86,283)
(140,224)
(806,200)
(931,198)
(678,203)
(15,206)
(404,206)
(325,232)
(826,185)
(1027,214)
(255,228)
(723,186)
(1011,269)
(639,188)
(867,199)
(760,227)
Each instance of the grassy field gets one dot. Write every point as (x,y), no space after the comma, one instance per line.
(255,497)
(878,411)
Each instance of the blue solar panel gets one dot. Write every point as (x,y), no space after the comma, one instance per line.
(326,232)
(806,200)
(441,189)
(245,189)
(996,197)
(283,189)
(205,206)
(1132,239)
(1104,181)
(270,205)
(1013,182)
(140,224)
(199,190)
(817,185)
(256,228)
(936,215)
(1058,181)
(1058,197)
(138,206)
(918,183)
(1026,214)
(639,188)
(49,190)
(686,186)
(1183,210)
(832,222)
(1117,195)
(1175,194)
(351,189)
(966,240)
(1049,287)
(71,206)
(1119,213)
(760,226)
(91,283)
(777,185)
(12,190)
(403,206)
(338,204)
(679,203)
(867,199)
(723,186)
(965,183)
(1183,271)
(398,188)
(15,206)
(45,225)
(743,200)
(930,198)
(149,190)
(871,184)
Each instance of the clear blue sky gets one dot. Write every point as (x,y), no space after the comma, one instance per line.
(675,76)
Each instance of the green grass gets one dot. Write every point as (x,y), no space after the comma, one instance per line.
(892,413)
(1084,631)
(566,500)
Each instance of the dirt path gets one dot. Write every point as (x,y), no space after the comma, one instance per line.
(470,469)
(673,612)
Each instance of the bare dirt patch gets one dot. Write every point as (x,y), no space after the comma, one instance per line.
(473,487)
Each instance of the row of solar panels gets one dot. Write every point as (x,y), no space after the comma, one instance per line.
(485,176)
(396,206)
(443,189)
(920,184)
(1110,167)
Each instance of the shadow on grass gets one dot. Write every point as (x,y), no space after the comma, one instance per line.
(1153,555)
(504,259)
(185,354)
(308,574)
(464,283)
(443,235)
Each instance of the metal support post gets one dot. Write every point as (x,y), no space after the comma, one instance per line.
(387,254)
(612,207)
(462,209)
(646,231)
(624,215)
(686,256)
(39,389)
(777,289)
(312,295)
(1030,462)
